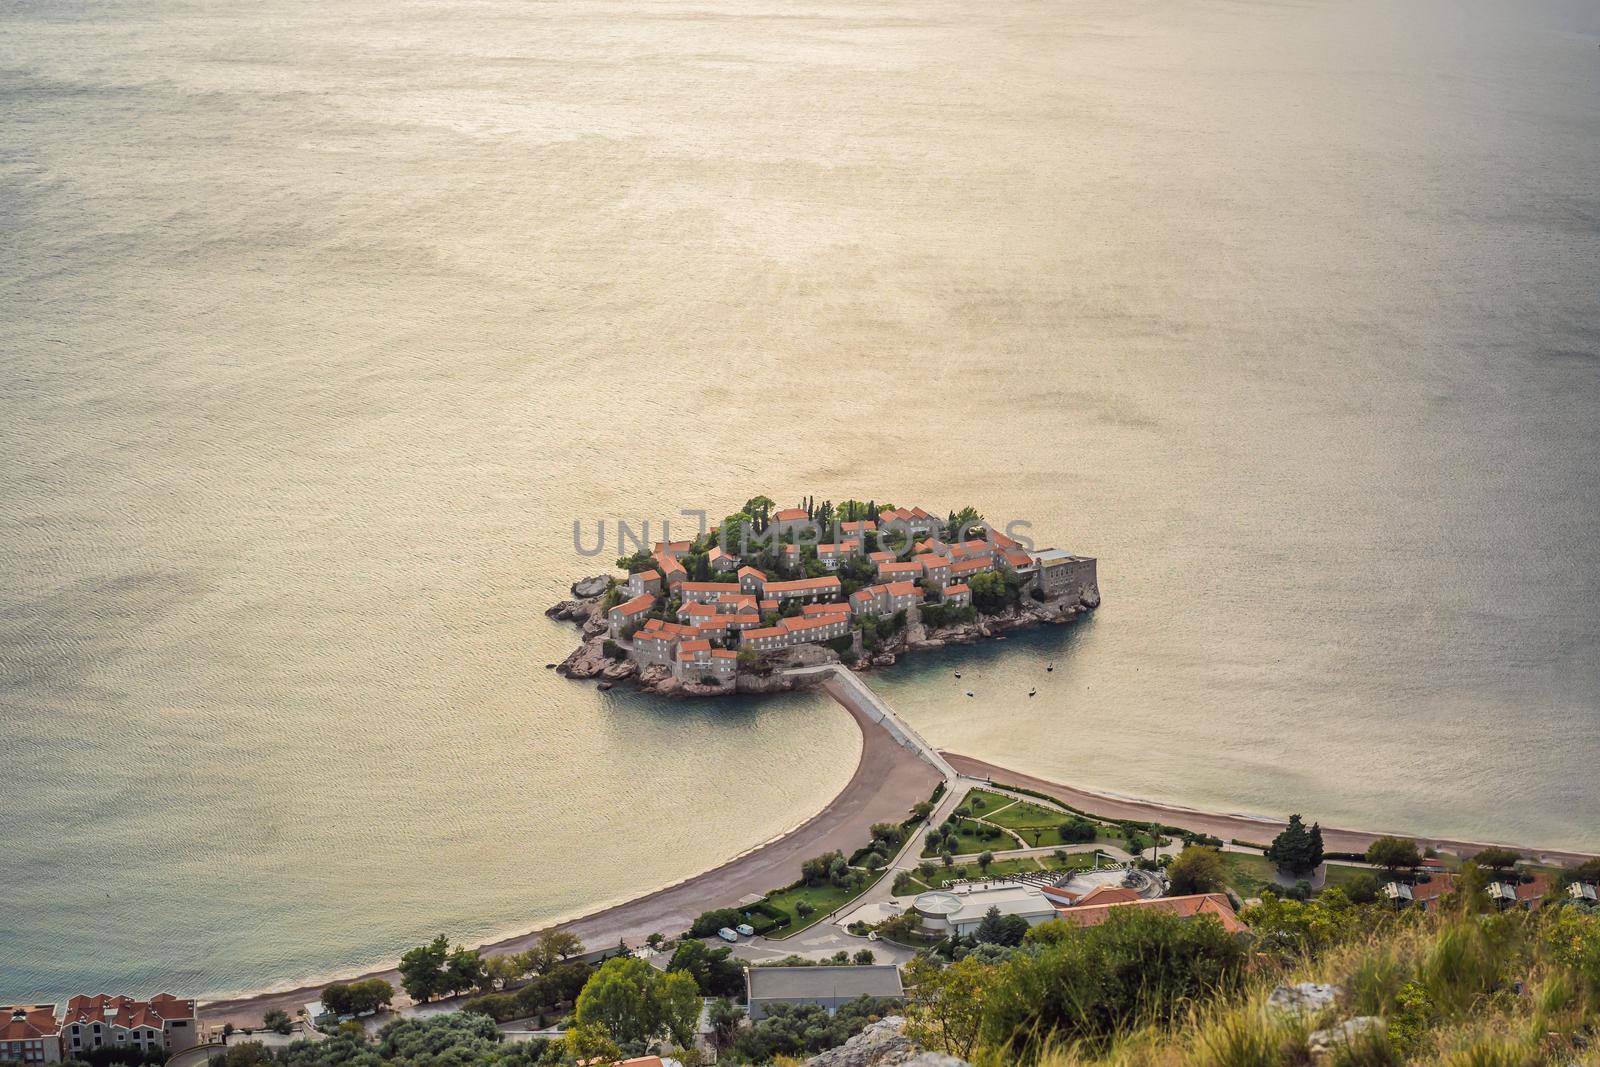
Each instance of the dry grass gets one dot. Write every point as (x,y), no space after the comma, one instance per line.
(1453,990)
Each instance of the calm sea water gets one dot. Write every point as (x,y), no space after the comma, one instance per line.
(321,322)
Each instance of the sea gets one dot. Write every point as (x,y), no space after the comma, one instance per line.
(322,322)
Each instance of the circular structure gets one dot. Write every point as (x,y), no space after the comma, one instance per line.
(936,909)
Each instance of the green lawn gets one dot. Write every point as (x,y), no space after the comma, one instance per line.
(824,899)
(1343,874)
(1038,825)
(1250,874)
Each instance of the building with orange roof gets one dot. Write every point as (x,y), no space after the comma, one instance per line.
(706,592)
(164,1023)
(1215,905)
(30,1033)
(935,568)
(963,569)
(675,549)
(824,588)
(751,580)
(629,613)
(796,631)
(657,641)
(831,554)
(832,607)
(915,521)
(670,568)
(858,528)
(642,582)
(885,599)
(697,661)
(958,595)
(721,561)
(899,572)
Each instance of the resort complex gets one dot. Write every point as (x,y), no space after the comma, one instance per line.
(861,580)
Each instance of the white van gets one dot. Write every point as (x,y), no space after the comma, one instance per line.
(746,929)
(727,934)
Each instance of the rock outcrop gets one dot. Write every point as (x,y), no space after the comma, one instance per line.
(589,659)
(883,1044)
(589,588)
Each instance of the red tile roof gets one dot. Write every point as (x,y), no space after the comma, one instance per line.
(804,623)
(831,608)
(901,588)
(645,576)
(1213,904)
(694,646)
(37,1021)
(743,571)
(790,515)
(804,585)
(956,590)
(637,606)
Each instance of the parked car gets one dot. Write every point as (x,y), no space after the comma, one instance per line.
(727,934)
(746,929)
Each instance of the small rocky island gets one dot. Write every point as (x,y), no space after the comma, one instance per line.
(733,609)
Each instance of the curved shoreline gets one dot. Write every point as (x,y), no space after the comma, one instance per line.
(1226,826)
(887,782)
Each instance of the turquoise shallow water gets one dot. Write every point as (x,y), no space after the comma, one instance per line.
(321,323)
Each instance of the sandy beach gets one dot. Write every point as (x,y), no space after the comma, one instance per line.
(889,779)
(1227,827)
(887,782)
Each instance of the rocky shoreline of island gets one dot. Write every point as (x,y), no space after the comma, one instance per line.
(590,661)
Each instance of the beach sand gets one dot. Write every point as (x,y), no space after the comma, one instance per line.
(887,782)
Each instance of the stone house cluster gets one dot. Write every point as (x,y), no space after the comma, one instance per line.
(35,1033)
(729,610)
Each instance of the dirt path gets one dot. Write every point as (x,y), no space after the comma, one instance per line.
(1227,827)
(889,779)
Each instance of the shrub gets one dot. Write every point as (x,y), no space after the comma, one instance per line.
(1138,965)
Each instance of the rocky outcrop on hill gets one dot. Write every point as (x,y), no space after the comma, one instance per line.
(882,1044)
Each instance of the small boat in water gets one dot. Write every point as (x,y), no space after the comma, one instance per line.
(958,674)
(969,692)
(1049,666)
(1032,691)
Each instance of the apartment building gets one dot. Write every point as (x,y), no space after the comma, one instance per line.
(163,1023)
(629,613)
(825,588)
(795,631)
(641,582)
(30,1033)
(657,641)
(706,592)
